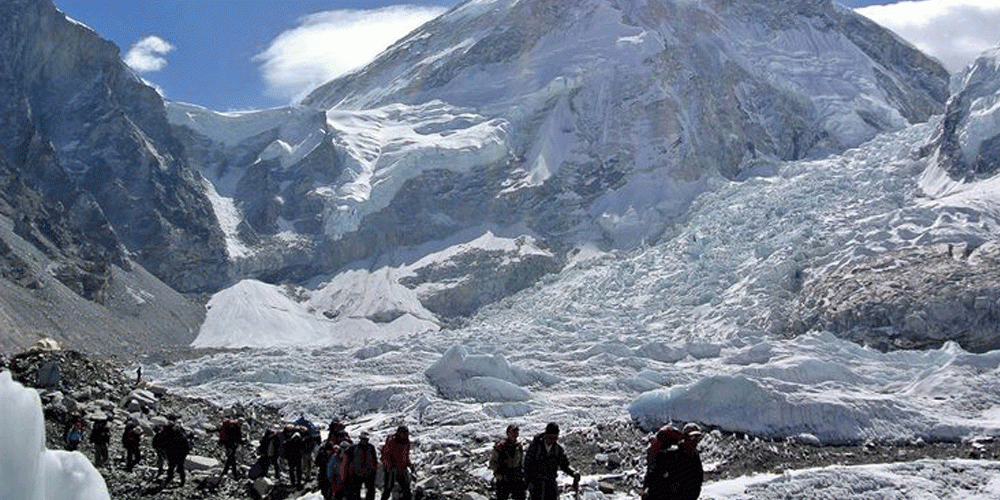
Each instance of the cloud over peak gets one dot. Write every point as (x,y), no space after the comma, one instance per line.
(326,45)
(953,31)
(147,55)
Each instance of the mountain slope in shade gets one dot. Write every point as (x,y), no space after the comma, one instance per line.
(67,89)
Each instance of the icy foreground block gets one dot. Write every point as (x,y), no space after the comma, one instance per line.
(27,470)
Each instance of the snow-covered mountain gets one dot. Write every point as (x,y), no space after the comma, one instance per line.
(572,125)
(835,301)
(765,217)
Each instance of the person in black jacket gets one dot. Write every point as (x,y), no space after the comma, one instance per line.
(177,447)
(291,450)
(542,462)
(100,437)
(689,468)
(675,471)
(362,467)
(326,450)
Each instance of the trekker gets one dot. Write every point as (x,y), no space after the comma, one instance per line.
(132,442)
(292,450)
(396,463)
(690,472)
(675,471)
(542,462)
(160,447)
(507,464)
(269,450)
(74,435)
(337,471)
(661,459)
(311,439)
(338,431)
(177,447)
(230,438)
(326,450)
(100,437)
(362,466)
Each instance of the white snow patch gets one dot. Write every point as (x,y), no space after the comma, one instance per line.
(28,471)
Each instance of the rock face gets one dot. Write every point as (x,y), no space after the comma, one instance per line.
(93,191)
(87,134)
(913,299)
(968,145)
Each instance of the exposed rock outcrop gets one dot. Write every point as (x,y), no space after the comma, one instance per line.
(910,299)
(91,136)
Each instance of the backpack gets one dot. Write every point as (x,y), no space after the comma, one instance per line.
(231,431)
(312,432)
(75,435)
(132,436)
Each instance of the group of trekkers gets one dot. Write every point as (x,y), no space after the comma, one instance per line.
(344,467)
(171,443)
(535,470)
(673,465)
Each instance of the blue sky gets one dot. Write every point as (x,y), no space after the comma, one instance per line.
(251,54)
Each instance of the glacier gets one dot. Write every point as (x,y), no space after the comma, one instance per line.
(675,331)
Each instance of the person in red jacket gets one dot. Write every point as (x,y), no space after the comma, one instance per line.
(396,462)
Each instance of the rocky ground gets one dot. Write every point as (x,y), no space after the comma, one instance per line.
(612,451)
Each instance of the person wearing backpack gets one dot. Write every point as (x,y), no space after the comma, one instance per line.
(507,464)
(311,439)
(132,442)
(543,461)
(396,463)
(362,468)
(100,437)
(268,452)
(230,438)
(291,451)
(675,470)
(75,434)
(178,446)
(160,447)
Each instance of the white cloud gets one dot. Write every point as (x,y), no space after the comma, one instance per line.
(953,31)
(326,45)
(147,54)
